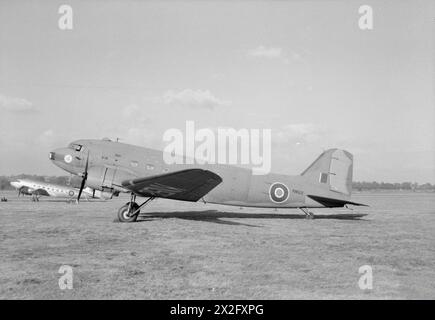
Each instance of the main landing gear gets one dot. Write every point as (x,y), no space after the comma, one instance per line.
(130,211)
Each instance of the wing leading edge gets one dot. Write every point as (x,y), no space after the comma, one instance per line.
(186,185)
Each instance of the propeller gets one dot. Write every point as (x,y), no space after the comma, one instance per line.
(85,176)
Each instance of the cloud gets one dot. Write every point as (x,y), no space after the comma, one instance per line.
(218,76)
(287,57)
(46,138)
(16,105)
(297,134)
(135,126)
(202,99)
(142,136)
(52,139)
(266,52)
(135,115)
(131,110)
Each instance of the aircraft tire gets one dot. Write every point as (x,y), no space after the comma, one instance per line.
(123,213)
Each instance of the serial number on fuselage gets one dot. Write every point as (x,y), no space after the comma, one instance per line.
(299,192)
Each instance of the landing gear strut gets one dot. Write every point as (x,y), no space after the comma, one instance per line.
(130,211)
(308,213)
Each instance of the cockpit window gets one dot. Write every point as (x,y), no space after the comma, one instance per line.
(75,146)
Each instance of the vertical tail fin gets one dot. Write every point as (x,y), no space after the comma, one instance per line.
(334,169)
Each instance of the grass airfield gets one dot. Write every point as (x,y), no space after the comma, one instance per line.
(182,250)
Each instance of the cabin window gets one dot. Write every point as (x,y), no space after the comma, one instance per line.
(150,167)
(323,177)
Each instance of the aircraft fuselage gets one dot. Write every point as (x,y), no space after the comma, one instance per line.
(110,163)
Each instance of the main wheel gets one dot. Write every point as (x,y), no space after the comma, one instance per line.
(125,216)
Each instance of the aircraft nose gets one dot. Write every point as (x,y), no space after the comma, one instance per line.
(57,155)
(60,157)
(15,184)
(65,159)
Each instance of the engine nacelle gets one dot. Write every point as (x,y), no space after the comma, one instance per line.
(100,194)
(108,179)
(26,190)
(105,195)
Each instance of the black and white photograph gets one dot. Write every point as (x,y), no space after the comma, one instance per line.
(214,150)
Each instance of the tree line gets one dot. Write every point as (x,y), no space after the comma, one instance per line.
(361,186)
(75,181)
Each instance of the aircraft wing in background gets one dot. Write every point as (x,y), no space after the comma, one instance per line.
(40,192)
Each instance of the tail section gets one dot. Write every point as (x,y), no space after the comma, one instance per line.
(333,169)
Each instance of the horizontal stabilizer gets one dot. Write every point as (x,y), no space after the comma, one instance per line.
(333,203)
(187,185)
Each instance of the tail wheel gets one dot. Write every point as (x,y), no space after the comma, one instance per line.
(124,215)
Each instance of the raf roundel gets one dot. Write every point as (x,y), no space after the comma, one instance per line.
(71,193)
(278,192)
(67,158)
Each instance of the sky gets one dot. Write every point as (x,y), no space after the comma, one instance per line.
(304,69)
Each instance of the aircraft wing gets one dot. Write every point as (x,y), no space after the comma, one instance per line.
(187,185)
(40,192)
(333,203)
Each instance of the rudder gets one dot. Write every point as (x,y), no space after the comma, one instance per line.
(334,169)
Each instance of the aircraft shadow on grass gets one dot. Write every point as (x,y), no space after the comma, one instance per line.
(216,216)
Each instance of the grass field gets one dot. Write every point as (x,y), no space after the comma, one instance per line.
(196,251)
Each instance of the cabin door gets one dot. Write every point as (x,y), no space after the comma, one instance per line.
(109,175)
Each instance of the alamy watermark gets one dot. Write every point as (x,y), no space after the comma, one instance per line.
(365,21)
(365,281)
(222,146)
(65,21)
(66,280)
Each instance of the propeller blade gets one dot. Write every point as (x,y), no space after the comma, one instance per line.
(81,188)
(85,176)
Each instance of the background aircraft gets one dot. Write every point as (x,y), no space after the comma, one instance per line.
(36,189)
(115,167)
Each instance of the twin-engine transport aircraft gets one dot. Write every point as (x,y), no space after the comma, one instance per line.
(118,167)
(36,189)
